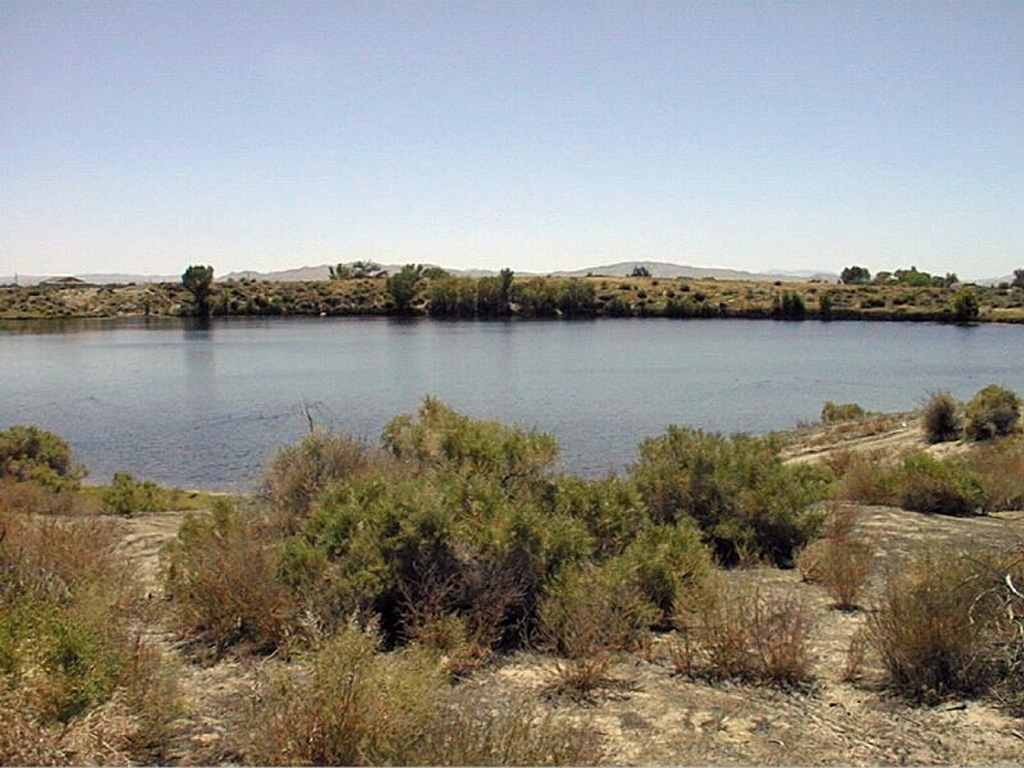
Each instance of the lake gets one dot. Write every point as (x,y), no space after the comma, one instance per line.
(206,406)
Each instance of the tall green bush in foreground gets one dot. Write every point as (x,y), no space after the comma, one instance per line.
(743,497)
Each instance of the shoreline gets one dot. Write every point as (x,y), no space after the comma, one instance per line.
(455,299)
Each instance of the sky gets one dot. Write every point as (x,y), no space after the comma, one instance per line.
(141,137)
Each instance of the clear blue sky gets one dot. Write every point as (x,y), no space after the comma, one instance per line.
(145,136)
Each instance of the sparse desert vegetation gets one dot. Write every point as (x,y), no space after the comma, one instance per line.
(448,597)
(435,293)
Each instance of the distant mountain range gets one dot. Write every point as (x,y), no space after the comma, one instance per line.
(619,269)
(666,269)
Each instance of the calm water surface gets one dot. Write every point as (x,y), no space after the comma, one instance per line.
(206,407)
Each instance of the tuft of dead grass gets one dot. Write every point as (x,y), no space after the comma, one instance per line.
(221,576)
(841,560)
(77,683)
(742,633)
(950,624)
(356,705)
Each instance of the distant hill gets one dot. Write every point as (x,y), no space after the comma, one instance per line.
(322,272)
(665,269)
(619,269)
(93,279)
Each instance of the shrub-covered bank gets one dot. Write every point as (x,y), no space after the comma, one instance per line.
(428,292)
(377,583)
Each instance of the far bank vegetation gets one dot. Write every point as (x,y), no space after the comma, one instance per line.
(362,288)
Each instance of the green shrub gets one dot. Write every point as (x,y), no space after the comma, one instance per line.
(992,412)
(439,436)
(576,298)
(299,473)
(403,286)
(452,297)
(945,487)
(789,306)
(432,544)
(31,454)
(737,489)
(942,419)
(589,609)
(833,412)
(611,509)
(965,305)
(128,497)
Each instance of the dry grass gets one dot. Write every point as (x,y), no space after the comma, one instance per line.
(355,705)
(77,684)
(221,575)
(1001,463)
(841,560)
(744,634)
(947,624)
(586,616)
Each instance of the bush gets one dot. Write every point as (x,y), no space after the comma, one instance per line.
(992,412)
(587,613)
(737,489)
(965,306)
(440,436)
(432,544)
(743,634)
(840,560)
(832,412)
(402,287)
(31,454)
(942,419)
(359,706)
(299,473)
(128,497)
(944,487)
(942,628)
(67,648)
(221,575)
(789,306)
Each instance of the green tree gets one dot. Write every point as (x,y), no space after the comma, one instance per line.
(1018,278)
(640,271)
(402,286)
(197,280)
(340,272)
(965,306)
(913,277)
(855,275)
(507,276)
